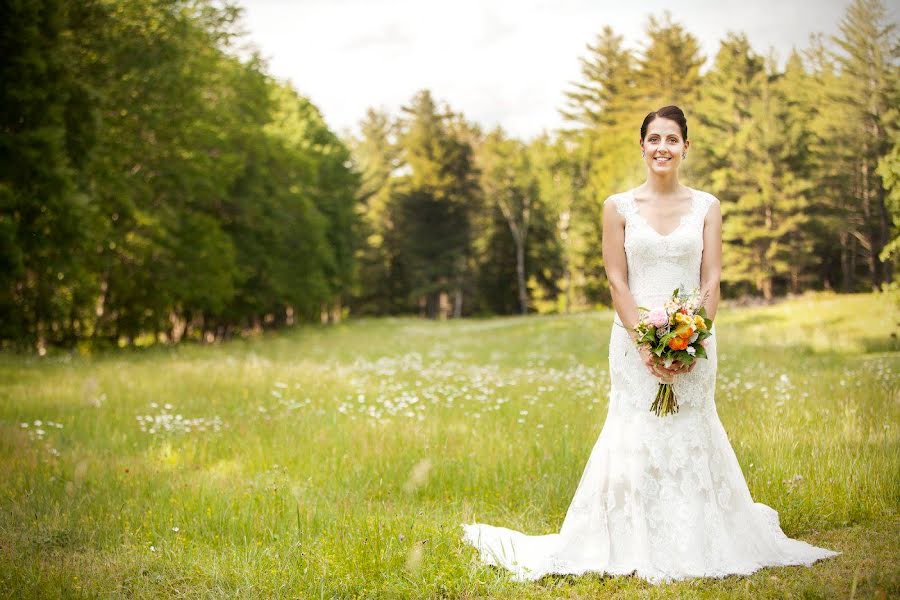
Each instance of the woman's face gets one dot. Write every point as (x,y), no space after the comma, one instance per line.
(663,146)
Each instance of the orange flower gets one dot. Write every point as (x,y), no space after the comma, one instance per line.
(678,343)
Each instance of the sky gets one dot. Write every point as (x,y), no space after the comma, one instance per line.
(499,62)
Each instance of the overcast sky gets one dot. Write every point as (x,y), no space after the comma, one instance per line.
(497,61)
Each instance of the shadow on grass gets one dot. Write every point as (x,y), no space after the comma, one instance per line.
(889,343)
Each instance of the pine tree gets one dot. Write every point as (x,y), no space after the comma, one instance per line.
(794,88)
(606,90)
(889,170)
(378,158)
(601,148)
(836,228)
(767,223)
(434,205)
(722,114)
(669,66)
(867,56)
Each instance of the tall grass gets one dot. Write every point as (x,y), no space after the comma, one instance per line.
(339,461)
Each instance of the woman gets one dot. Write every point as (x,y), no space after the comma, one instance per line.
(661,497)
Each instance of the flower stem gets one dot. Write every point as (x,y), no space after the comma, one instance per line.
(665,402)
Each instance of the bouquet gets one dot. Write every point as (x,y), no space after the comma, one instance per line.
(676,330)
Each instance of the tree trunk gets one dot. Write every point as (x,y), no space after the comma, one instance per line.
(433,306)
(520,276)
(563,227)
(846,274)
(336,309)
(457,302)
(887,275)
(767,288)
(870,226)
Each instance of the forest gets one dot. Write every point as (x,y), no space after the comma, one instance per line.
(158,184)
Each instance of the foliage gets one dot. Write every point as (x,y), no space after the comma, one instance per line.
(157,184)
(152,182)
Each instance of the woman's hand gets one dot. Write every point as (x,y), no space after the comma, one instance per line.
(657,367)
(654,364)
(679,367)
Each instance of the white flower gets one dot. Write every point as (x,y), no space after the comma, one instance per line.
(175,529)
(690,350)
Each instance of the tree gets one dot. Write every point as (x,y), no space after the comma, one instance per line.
(377,155)
(46,221)
(867,59)
(669,65)
(604,108)
(508,179)
(434,204)
(766,222)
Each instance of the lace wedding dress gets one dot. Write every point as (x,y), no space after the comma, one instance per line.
(661,497)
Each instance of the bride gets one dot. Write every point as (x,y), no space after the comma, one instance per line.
(663,498)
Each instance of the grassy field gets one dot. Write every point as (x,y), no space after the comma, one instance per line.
(339,461)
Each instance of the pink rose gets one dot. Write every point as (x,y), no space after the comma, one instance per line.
(658,317)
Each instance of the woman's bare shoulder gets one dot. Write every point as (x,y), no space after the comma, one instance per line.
(708,196)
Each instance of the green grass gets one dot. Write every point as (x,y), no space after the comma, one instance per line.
(339,461)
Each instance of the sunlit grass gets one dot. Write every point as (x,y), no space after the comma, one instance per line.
(339,461)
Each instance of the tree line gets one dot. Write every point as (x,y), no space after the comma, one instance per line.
(804,160)
(154,183)
(157,182)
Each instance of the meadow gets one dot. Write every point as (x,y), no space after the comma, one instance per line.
(338,461)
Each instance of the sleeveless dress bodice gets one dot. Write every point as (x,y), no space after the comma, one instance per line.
(657,264)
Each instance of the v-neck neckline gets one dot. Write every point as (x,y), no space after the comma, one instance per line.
(681,221)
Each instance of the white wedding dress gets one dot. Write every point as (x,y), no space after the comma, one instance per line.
(661,497)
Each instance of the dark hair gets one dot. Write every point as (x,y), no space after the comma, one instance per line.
(666,112)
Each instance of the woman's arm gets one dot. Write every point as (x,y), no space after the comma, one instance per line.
(617,267)
(711,263)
